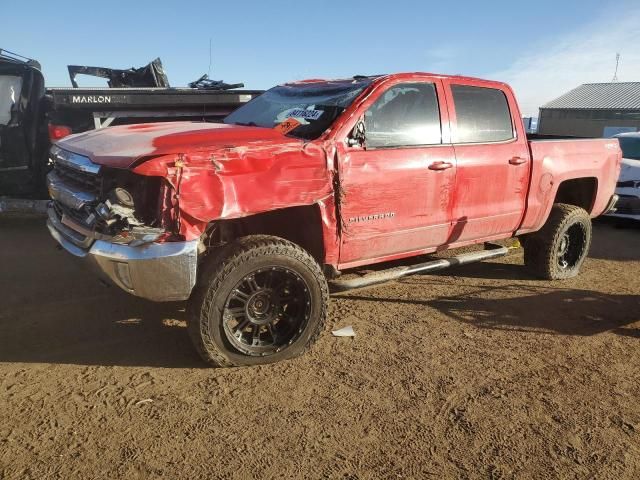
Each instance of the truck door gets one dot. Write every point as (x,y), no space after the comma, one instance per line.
(395,185)
(492,158)
(21,89)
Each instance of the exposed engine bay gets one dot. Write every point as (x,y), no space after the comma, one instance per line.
(109,203)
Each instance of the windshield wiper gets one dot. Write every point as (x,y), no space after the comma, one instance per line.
(246,124)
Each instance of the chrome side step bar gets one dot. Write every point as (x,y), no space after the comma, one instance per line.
(493,251)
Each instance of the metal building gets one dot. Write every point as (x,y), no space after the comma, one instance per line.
(593,110)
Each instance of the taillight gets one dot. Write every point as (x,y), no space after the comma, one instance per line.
(56,132)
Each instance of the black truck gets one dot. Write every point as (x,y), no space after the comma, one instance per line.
(32,115)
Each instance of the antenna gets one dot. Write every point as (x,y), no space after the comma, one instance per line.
(615,73)
(209,70)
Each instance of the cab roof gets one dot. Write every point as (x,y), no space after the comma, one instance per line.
(381,77)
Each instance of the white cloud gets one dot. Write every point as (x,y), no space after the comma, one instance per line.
(557,65)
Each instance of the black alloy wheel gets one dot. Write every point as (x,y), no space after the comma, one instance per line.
(558,250)
(266,311)
(259,299)
(571,247)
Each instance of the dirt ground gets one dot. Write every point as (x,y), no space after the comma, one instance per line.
(478,372)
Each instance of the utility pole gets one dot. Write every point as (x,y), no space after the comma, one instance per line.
(615,73)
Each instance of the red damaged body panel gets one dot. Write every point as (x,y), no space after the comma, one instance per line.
(217,171)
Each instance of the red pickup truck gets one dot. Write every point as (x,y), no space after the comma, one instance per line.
(253,219)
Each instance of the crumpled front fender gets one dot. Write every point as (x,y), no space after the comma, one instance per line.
(234,182)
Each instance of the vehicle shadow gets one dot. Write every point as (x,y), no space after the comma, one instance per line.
(560,311)
(100,330)
(489,271)
(54,310)
(534,309)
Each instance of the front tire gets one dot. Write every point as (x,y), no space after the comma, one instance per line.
(259,300)
(559,249)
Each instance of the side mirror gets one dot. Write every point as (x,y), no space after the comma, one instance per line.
(357,136)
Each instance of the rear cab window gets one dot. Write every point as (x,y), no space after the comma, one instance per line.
(405,115)
(10,88)
(482,115)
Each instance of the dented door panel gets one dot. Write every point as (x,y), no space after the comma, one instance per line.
(396,200)
(393,203)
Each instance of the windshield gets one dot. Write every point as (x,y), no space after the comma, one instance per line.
(630,147)
(308,108)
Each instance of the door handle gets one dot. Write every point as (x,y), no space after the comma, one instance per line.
(440,165)
(517,160)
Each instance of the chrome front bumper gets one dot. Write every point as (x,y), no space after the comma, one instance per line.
(155,271)
(611,206)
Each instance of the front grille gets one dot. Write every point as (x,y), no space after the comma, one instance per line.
(56,215)
(79,216)
(86,181)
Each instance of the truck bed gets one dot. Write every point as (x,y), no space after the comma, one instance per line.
(591,163)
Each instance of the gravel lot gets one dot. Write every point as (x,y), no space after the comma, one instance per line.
(478,372)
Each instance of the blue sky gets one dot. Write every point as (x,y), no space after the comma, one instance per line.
(542,47)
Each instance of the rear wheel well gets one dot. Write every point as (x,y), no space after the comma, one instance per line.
(300,225)
(580,192)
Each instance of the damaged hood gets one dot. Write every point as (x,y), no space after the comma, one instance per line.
(122,146)
(228,171)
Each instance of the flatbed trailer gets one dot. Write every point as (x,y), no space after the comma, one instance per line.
(33,116)
(86,108)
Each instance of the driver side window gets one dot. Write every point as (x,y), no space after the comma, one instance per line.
(405,115)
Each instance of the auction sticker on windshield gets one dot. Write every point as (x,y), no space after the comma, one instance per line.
(305,114)
(288,125)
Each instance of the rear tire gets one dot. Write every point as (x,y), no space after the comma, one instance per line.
(260,299)
(559,249)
